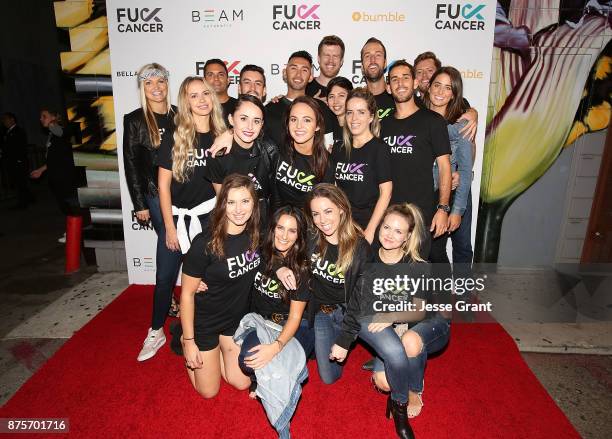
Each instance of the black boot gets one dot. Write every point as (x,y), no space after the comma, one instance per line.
(400,418)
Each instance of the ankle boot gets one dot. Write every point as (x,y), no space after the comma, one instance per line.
(400,418)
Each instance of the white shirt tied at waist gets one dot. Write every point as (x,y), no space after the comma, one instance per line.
(195,227)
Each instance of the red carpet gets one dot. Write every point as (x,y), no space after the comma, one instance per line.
(480,387)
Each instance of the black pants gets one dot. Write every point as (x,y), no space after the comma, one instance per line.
(18,172)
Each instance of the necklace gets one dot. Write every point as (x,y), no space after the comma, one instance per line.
(387,261)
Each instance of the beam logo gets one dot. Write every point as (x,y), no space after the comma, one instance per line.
(215,18)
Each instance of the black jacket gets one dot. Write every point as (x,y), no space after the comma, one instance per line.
(361,307)
(140,157)
(14,147)
(61,172)
(363,256)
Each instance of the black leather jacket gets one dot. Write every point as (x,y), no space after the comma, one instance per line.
(361,306)
(140,158)
(361,258)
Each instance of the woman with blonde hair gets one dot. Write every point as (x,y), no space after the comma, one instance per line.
(379,302)
(362,163)
(143,131)
(185,196)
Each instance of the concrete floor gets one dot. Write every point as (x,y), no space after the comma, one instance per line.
(42,308)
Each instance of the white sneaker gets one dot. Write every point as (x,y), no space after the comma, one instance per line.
(155,340)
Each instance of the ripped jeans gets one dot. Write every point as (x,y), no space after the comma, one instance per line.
(434,333)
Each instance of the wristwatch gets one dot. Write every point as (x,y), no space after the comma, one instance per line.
(444,207)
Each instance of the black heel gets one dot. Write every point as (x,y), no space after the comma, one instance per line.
(400,418)
(388,411)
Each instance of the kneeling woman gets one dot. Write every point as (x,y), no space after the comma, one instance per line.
(226,255)
(401,235)
(285,246)
(339,253)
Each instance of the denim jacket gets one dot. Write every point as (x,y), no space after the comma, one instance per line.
(278,383)
(461,161)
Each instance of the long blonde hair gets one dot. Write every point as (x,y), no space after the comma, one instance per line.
(360,93)
(145,72)
(348,230)
(185,131)
(416,227)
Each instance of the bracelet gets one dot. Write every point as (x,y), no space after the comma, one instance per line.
(188,338)
(280,343)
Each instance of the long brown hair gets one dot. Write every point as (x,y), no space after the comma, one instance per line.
(218,221)
(185,132)
(348,230)
(318,162)
(455,108)
(145,72)
(416,227)
(296,258)
(360,93)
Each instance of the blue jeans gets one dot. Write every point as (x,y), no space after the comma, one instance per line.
(389,348)
(434,333)
(462,243)
(304,335)
(167,264)
(327,328)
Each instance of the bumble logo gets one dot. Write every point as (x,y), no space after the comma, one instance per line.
(377,17)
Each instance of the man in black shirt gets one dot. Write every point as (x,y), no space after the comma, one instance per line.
(373,65)
(215,73)
(330,57)
(296,74)
(253,82)
(416,137)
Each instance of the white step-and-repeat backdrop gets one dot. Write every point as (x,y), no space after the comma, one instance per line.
(182,35)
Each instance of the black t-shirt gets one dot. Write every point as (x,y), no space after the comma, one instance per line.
(197,188)
(165,124)
(295,179)
(229,281)
(327,281)
(228,108)
(360,174)
(242,161)
(315,87)
(405,267)
(267,297)
(415,142)
(274,126)
(385,105)
(338,132)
